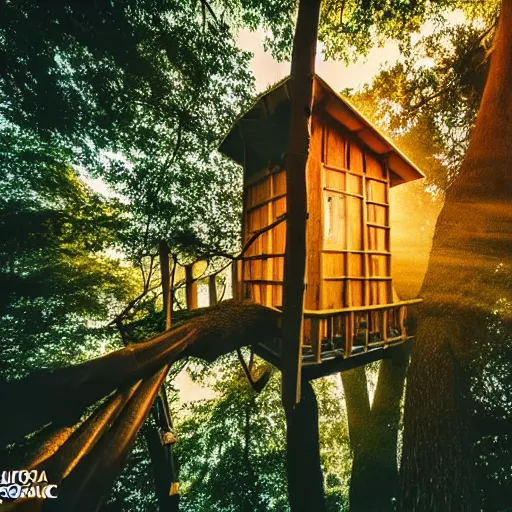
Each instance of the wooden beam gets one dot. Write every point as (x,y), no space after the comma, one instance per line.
(163,253)
(190,287)
(235,281)
(331,312)
(212,289)
(302,93)
(265,202)
(340,364)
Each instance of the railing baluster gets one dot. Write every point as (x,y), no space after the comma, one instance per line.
(366,332)
(402,313)
(349,332)
(316,344)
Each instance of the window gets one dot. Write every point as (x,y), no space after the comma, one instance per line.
(334,220)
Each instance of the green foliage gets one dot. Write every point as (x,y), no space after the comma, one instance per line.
(491,389)
(335,452)
(55,275)
(136,93)
(134,489)
(429,99)
(140,92)
(231,448)
(350,28)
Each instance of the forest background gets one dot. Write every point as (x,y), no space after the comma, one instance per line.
(110,118)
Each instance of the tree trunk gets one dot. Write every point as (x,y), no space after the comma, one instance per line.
(163,252)
(386,412)
(302,74)
(164,470)
(190,287)
(374,433)
(212,290)
(161,454)
(65,393)
(305,479)
(468,278)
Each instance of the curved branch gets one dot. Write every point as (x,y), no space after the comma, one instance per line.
(64,394)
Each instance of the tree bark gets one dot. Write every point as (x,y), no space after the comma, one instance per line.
(64,394)
(374,433)
(190,287)
(467,279)
(302,74)
(386,413)
(163,252)
(305,479)
(164,470)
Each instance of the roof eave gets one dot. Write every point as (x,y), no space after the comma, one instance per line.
(342,110)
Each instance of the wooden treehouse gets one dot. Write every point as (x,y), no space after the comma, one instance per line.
(352,313)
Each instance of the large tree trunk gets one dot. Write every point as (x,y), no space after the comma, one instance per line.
(305,479)
(302,75)
(305,484)
(468,275)
(65,393)
(374,433)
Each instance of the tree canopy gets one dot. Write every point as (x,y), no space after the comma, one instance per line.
(110,116)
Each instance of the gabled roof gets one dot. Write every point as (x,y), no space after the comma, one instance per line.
(260,137)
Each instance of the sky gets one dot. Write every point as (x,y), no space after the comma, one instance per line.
(339,76)
(267,71)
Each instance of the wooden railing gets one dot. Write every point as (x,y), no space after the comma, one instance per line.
(350,331)
(331,333)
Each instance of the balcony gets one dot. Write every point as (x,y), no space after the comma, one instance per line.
(335,340)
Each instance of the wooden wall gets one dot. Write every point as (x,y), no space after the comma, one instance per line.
(263,263)
(348,261)
(356,265)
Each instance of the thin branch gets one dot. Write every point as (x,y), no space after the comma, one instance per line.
(247,245)
(223,291)
(258,233)
(206,5)
(131,305)
(143,272)
(203,13)
(150,271)
(428,99)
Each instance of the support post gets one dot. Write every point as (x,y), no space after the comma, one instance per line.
(162,456)
(235,280)
(302,83)
(190,287)
(305,479)
(212,289)
(163,253)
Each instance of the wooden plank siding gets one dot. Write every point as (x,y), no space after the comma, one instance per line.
(350,307)
(263,262)
(355,254)
(348,250)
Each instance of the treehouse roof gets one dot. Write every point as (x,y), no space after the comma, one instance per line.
(259,139)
